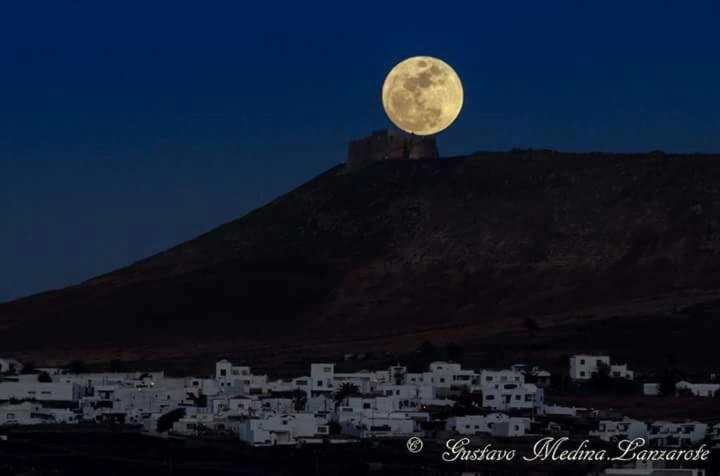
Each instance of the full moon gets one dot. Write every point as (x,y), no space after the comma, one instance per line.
(422,95)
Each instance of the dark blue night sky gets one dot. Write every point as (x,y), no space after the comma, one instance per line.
(129,126)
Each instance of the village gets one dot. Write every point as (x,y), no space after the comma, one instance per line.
(327,406)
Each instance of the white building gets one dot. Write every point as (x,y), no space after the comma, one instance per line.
(492,377)
(283,429)
(627,429)
(651,389)
(513,396)
(698,389)
(10,366)
(379,425)
(583,366)
(29,413)
(322,378)
(496,424)
(237,376)
(40,391)
(676,435)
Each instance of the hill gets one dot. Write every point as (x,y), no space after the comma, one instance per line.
(456,249)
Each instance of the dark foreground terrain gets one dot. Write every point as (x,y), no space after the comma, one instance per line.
(552,252)
(116,453)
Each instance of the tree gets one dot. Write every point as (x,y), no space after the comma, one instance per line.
(334,427)
(453,351)
(44,377)
(166,421)
(117,365)
(685,392)
(601,379)
(346,390)
(29,367)
(77,367)
(199,400)
(468,403)
(668,381)
(299,400)
(427,348)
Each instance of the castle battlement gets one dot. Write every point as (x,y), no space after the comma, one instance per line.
(392,144)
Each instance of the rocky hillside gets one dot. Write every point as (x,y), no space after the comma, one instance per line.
(480,242)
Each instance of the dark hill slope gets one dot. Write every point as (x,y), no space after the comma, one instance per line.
(405,246)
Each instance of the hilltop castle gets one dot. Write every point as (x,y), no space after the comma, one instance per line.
(393,144)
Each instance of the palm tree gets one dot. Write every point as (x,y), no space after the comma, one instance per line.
(346,390)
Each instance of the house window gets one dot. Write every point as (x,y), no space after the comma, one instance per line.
(490,397)
(582,374)
(223,372)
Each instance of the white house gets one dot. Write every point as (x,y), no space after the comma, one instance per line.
(379,425)
(651,389)
(513,396)
(676,435)
(621,371)
(322,378)
(627,429)
(491,377)
(559,410)
(238,377)
(193,424)
(283,429)
(496,424)
(583,366)
(40,391)
(29,413)
(26,413)
(714,434)
(512,427)
(698,389)
(10,366)
(467,425)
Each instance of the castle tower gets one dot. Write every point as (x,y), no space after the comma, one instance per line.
(393,144)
